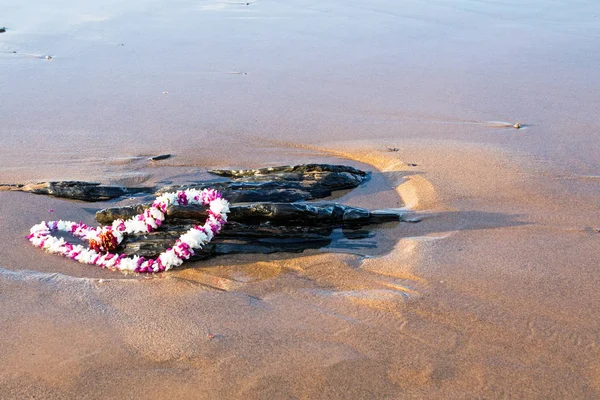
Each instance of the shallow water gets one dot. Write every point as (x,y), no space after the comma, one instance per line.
(493,295)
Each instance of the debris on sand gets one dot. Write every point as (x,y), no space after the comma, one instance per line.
(160,157)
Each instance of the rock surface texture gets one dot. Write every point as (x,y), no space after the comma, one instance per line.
(269,212)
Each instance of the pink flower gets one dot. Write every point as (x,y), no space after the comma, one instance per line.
(182,198)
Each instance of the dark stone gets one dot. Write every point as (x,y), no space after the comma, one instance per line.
(282,184)
(160,157)
(276,214)
(244,192)
(234,239)
(76,190)
(253,228)
(298,169)
(273,221)
(276,184)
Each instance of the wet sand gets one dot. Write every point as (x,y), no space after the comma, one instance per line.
(494,294)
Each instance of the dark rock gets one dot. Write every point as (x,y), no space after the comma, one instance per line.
(76,190)
(276,184)
(244,192)
(273,221)
(282,184)
(276,214)
(79,190)
(234,239)
(108,215)
(299,169)
(253,228)
(160,157)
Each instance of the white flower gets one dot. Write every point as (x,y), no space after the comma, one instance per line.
(128,264)
(49,242)
(167,198)
(169,259)
(157,214)
(171,198)
(57,245)
(87,256)
(118,235)
(65,225)
(208,231)
(194,238)
(91,235)
(219,206)
(41,227)
(190,194)
(135,226)
(152,222)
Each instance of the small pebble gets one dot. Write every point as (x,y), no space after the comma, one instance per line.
(393,149)
(517,126)
(160,157)
(165,92)
(2,29)
(48,57)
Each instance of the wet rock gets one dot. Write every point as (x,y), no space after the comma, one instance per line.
(244,192)
(253,228)
(302,169)
(76,190)
(275,184)
(271,218)
(160,157)
(282,184)
(277,214)
(234,239)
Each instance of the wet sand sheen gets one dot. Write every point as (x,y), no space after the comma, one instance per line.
(492,295)
(429,317)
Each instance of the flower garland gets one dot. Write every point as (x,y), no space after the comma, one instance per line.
(104,240)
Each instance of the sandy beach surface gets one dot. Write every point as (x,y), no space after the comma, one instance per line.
(494,294)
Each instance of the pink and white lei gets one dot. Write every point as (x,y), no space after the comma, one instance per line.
(104,240)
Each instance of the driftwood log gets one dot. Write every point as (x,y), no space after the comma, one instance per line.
(269,212)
